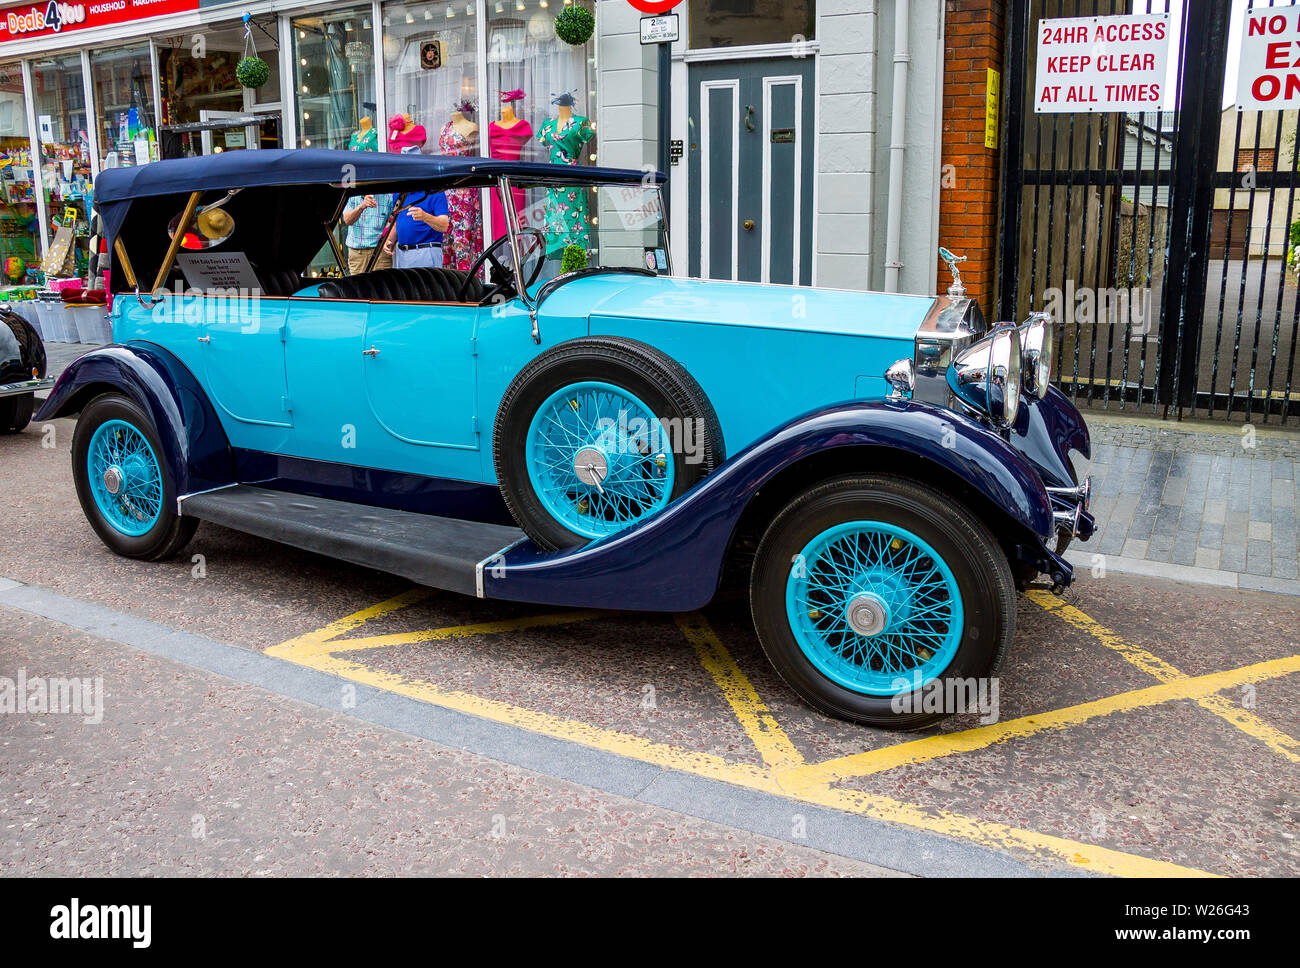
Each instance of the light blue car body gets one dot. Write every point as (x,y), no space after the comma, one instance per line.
(289,376)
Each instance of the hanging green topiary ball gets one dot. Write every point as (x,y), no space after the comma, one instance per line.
(575,258)
(252,72)
(575,25)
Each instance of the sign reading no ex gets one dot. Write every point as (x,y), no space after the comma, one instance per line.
(1269,78)
(1102,64)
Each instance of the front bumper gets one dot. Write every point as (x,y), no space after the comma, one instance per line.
(25,386)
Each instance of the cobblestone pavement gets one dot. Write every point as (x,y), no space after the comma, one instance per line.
(1219,500)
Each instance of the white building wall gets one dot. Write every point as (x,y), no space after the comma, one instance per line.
(922,165)
(847,124)
(626,90)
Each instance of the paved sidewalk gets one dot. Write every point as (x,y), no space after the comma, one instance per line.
(59,355)
(1196,502)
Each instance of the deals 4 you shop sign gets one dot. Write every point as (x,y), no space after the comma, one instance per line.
(45,19)
(1102,64)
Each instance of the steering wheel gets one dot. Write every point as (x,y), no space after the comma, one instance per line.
(506,275)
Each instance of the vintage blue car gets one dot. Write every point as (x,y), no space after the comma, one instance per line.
(883,470)
(22,371)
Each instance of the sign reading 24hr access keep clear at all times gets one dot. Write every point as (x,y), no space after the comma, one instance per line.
(1100,64)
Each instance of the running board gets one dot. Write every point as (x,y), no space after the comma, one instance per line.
(443,553)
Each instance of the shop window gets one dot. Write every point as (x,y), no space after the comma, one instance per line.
(20,230)
(64,153)
(334,76)
(123,84)
(744,23)
(200,89)
(430,73)
(548,114)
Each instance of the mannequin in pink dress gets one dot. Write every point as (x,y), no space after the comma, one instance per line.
(506,140)
(463,241)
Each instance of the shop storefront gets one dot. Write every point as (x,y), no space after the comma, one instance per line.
(127,82)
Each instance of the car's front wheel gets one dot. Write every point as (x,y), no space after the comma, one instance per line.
(868,590)
(16,413)
(124,487)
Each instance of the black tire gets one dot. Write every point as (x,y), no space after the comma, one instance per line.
(16,413)
(171,532)
(977,563)
(662,383)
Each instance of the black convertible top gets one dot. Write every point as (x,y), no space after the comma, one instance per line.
(292,191)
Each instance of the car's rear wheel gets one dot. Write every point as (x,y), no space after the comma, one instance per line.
(16,413)
(124,487)
(597,434)
(867,590)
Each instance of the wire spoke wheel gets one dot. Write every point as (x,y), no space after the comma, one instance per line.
(598,458)
(125,478)
(874,607)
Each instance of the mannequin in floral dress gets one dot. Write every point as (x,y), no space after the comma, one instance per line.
(463,241)
(568,219)
(506,140)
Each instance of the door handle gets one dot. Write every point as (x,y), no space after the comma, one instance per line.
(205,339)
(749,117)
(372,352)
(748,225)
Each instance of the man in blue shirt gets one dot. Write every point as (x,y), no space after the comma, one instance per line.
(417,237)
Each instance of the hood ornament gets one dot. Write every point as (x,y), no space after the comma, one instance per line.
(956,290)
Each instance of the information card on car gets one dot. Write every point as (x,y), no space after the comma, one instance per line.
(218,270)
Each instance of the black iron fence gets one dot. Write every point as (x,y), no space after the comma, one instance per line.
(1160,240)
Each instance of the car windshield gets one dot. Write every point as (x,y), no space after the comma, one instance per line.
(612,226)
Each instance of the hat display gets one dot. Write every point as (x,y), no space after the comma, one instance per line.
(508,96)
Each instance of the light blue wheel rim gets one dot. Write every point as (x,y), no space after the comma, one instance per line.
(629,438)
(903,579)
(119,447)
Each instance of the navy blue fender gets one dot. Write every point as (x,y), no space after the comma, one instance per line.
(195,447)
(672,561)
(1046,430)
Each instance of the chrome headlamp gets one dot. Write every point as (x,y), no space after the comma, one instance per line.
(986,376)
(1037,337)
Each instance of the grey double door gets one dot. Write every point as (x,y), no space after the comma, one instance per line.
(750,150)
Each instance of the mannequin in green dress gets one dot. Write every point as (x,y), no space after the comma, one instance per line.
(568,218)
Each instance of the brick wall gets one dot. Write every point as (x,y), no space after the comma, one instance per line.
(968,195)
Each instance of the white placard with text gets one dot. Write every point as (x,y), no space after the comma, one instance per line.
(1100,64)
(1269,77)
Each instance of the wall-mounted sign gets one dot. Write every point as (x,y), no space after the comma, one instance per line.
(1269,77)
(1101,64)
(43,19)
(654,6)
(431,55)
(992,108)
(660,30)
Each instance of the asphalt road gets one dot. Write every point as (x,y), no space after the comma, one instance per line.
(271,711)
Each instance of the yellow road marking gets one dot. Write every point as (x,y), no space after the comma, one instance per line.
(970,740)
(362,643)
(1153,665)
(755,718)
(315,650)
